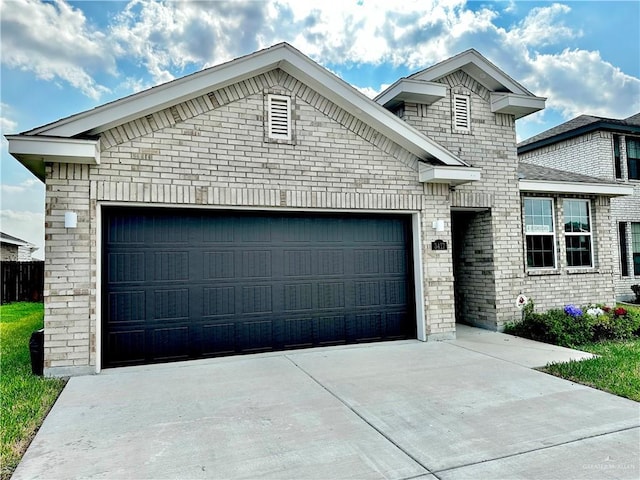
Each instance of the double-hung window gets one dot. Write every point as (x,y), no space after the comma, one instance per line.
(540,232)
(577,232)
(633,158)
(635,241)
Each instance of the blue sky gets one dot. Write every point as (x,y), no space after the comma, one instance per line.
(59,58)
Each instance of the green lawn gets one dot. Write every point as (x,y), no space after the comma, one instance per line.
(25,398)
(616,371)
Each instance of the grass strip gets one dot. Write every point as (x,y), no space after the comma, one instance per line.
(25,398)
(616,370)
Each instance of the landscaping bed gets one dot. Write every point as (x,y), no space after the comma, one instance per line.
(26,398)
(612,333)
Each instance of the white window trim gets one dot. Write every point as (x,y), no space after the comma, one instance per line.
(461,109)
(552,233)
(279,117)
(577,234)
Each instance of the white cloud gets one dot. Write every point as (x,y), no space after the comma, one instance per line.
(26,196)
(54,41)
(28,226)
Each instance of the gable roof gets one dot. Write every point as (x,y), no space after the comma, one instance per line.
(10,239)
(74,139)
(507,95)
(579,126)
(534,178)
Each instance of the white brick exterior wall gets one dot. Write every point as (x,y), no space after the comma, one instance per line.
(592,154)
(211,152)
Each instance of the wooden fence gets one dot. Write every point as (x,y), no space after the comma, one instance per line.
(21,281)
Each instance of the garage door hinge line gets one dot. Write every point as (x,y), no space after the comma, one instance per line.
(389,439)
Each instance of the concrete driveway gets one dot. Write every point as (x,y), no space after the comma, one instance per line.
(465,409)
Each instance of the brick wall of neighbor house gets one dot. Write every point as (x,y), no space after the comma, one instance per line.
(211,151)
(625,209)
(8,253)
(491,145)
(580,286)
(592,154)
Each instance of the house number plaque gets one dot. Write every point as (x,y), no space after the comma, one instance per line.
(439,245)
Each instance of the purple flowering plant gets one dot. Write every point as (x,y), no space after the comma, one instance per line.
(573,311)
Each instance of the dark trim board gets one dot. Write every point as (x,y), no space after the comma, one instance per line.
(184,284)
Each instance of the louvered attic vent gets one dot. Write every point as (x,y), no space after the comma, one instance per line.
(461,113)
(279,117)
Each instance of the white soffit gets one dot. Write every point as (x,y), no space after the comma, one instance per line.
(447,174)
(411,91)
(281,56)
(477,67)
(34,151)
(517,105)
(604,189)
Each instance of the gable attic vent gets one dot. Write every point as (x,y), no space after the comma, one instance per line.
(279,112)
(461,113)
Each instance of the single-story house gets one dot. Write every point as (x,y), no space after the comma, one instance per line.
(265,204)
(14,249)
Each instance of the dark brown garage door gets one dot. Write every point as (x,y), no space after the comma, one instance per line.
(182,284)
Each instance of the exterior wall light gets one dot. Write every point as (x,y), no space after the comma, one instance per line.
(70,219)
(438,225)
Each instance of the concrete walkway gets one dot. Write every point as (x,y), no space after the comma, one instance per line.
(471,408)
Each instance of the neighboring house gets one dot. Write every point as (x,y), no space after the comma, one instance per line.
(266,204)
(610,150)
(13,249)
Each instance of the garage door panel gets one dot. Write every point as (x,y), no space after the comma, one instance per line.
(237,282)
(367,327)
(170,266)
(126,267)
(218,264)
(171,304)
(257,299)
(330,330)
(218,339)
(126,347)
(171,343)
(126,307)
(256,336)
(297,333)
(219,301)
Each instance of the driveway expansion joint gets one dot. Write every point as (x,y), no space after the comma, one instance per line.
(546,447)
(355,412)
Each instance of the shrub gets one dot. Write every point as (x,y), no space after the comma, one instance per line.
(573,326)
(636,291)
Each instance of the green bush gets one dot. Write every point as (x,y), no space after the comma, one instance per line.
(573,326)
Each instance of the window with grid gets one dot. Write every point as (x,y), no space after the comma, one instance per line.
(633,158)
(539,232)
(577,232)
(279,117)
(635,241)
(462,113)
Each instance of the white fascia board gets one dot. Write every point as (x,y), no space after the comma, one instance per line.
(34,151)
(411,91)
(517,105)
(162,96)
(604,189)
(363,108)
(459,62)
(282,56)
(447,174)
